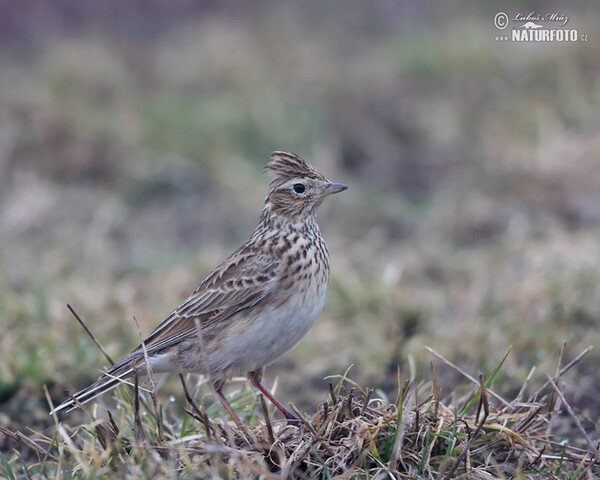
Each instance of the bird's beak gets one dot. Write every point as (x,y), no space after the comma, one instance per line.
(332,188)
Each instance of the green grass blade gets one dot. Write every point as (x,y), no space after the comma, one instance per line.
(487,383)
(425,452)
(7,468)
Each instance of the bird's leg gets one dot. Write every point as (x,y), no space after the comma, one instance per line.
(228,407)
(255,378)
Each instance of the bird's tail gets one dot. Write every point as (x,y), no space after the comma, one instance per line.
(110,379)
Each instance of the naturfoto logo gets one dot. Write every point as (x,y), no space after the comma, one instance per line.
(536,27)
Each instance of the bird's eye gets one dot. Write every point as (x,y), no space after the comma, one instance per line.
(299,188)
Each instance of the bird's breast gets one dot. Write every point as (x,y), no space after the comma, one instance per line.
(259,335)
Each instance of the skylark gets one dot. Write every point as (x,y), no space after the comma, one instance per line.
(256,305)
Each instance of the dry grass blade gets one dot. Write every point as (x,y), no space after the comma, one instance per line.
(197,414)
(587,438)
(150,375)
(27,442)
(81,406)
(332,394)
(267,419)
(525,385)
(522,426)
(106,436)
(366,401)
(577,359)
(551,403)
(311,429)
(138,429)
(436,390)
(466,375)
(92,336)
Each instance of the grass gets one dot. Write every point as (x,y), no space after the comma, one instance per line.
(468,432)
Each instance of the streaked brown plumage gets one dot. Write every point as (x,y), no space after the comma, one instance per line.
(256,305)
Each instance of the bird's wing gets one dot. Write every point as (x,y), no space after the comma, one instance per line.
(238,283)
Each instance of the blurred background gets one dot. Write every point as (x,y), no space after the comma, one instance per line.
(133,137)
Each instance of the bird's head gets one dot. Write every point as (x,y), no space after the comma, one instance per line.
(298,188)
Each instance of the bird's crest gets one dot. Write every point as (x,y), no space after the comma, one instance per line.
(287,165)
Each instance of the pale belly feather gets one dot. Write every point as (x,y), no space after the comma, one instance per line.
(268,336)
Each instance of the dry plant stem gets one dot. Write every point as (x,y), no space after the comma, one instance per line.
(113,424)
(204,421)
(198,415)
(416,409)
(56,424)
(467,376)
(519,397)
(593,448)
(552,398)
(92,336)
(405,390)
(560,358)
(298,455)
(530,418)
(304,422)
(349,399)
(105,436)
(314,433)
(328,417)
(436,391)
(332,394)
(150,375)
(536,459)
(26,441)
(399,399)
(566,368)
(82,406)
(580,452)
(267,419)
(140,435)
(483,401)
(50,404)
(188,397)
(366,401)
